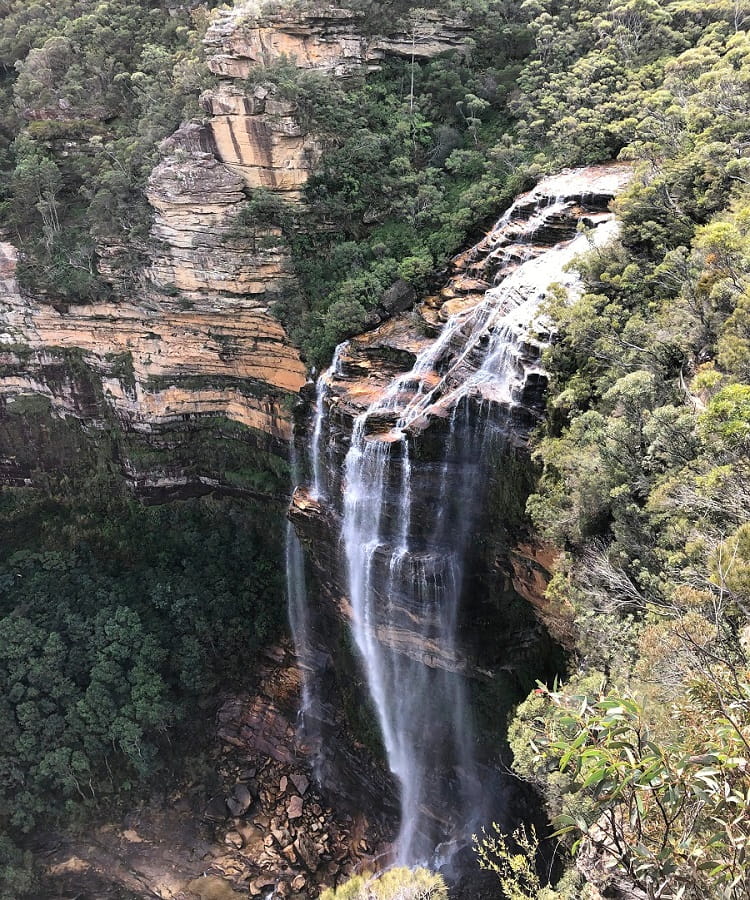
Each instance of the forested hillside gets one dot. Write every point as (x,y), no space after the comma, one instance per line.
(642,753)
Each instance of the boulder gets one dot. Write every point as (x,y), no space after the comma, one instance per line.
(307,851)
(294,808)
(301,782)
(216,810)
(239,800)
(234,839)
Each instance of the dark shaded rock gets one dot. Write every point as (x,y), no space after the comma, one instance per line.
(216,810)
(301,782)
(307,851)
(240,800)
(398,298)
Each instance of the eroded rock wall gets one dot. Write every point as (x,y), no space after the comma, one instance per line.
(194,337)
(426,418)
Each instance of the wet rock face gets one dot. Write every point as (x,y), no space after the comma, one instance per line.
(420,430)
(369,365)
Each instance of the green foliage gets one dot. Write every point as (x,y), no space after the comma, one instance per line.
(645,482)
(405,175)
(395,884)
(673,815)
(117,621)
(513,860)
(99,84)
(593,79)
(726,422)
(17,877)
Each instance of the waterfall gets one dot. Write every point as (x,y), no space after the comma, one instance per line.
(298,611)
(407,526)
(321,392)
(401,584)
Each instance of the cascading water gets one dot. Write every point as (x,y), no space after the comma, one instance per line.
(400,582)
(298,607)
(298,610)
(321,391)
(405,578)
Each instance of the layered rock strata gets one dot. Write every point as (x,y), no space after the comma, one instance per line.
(256,132)
(160,360)
(324,38)
(420,432)
(195,337)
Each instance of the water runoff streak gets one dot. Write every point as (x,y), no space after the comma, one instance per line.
(299,619)
(405,578)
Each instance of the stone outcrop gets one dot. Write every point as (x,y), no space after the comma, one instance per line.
(532,565)
(420,428)
(370,364)
(194,336)
(256,132)
(160,359)
(282,830)
(257,135)
(326,39)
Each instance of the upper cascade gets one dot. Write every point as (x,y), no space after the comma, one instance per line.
(481,335)
(413,425)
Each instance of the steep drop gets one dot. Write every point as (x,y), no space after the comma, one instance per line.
(415,472)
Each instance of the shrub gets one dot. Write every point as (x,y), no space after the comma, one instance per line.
(395,884)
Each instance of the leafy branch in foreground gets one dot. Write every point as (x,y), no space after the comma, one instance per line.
(513,858)
(395,884)
(672,816)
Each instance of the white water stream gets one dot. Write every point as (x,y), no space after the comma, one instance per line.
(405,578)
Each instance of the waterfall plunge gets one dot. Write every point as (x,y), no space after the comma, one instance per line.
(405,582)
(298,611)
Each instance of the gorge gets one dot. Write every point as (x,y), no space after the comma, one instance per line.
(374,483)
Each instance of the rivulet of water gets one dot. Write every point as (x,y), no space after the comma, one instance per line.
(321,391)
(298,611)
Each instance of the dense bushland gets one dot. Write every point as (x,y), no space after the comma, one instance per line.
(644,754)
(645,487)
(395,884)
(119,626)
(86,91)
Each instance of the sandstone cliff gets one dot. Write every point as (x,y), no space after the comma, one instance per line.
(196,338)
(423,383)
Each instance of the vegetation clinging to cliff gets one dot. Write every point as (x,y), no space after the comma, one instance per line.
(645,483)
(421,156)
(644,754)
(86,91)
